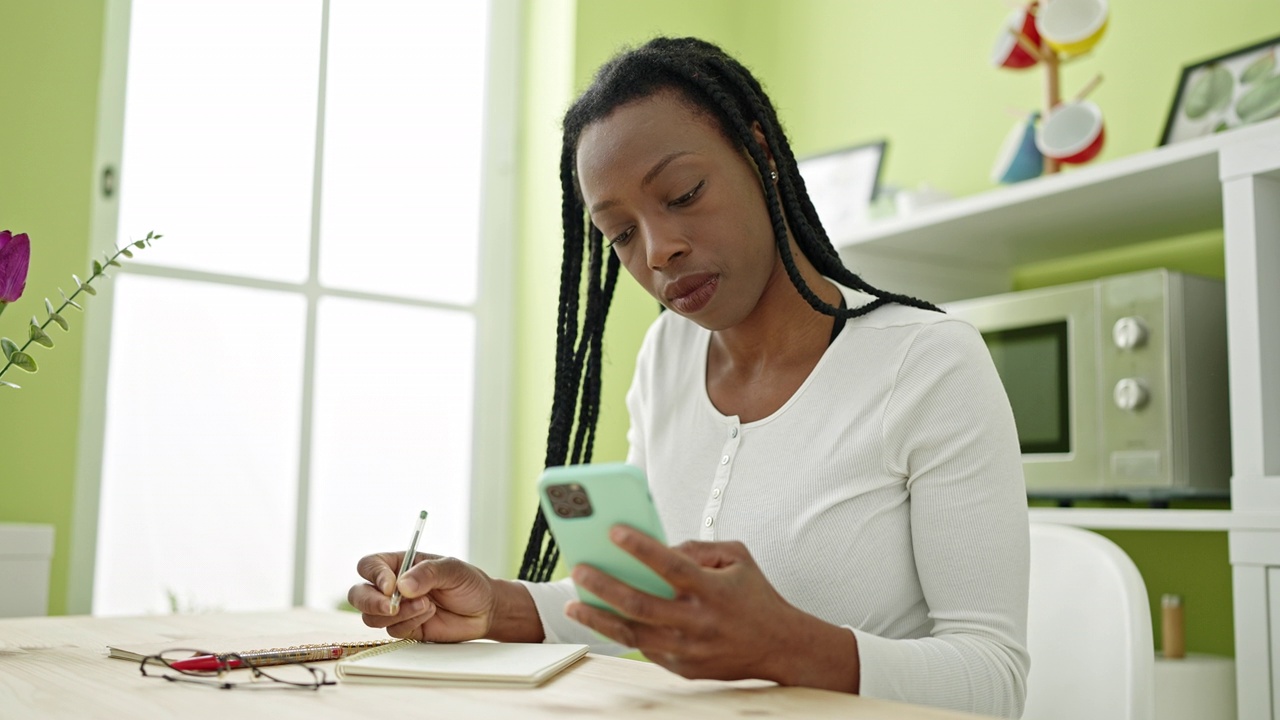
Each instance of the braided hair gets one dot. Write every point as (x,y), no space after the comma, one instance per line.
(710,82)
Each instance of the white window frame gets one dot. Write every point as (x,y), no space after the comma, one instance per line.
(490,522)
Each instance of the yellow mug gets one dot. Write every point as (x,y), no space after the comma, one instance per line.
(1072,27)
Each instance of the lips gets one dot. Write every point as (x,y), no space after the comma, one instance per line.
(691,293)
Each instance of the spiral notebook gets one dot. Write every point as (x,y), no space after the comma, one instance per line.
(470,664)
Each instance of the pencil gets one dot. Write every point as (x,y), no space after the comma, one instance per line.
(408,560)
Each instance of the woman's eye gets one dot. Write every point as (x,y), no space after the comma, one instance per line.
(688,197)
(621,238)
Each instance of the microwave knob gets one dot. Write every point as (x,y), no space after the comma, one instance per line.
(1131,394)
(1129,333)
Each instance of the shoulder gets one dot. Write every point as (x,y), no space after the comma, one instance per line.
(914,328)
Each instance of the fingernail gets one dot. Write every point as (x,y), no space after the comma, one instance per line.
(620,533)
(407,585)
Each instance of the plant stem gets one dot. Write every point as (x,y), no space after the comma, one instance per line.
(65,303)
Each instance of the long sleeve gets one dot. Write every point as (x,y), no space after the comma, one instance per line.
(949,430)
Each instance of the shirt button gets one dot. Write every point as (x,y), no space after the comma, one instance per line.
(724,460)
(733,432)
(715,493)
(708,521)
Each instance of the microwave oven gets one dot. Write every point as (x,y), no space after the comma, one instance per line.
(1118,385)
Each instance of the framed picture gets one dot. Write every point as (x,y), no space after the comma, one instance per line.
(842,184)
(1224,92)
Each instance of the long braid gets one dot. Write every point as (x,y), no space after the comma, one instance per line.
(810,236)
(578,365)
(567,381)
(714,83)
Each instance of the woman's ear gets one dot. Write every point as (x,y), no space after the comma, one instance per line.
(758,133)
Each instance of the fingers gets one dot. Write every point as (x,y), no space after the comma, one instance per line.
(604,622)
(630,602)
(380,570)
(715,554)
(377,612)
(374,597)
(435,573)
(664,645)
(677,569)
(408,621)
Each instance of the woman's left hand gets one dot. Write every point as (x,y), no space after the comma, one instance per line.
(725,622)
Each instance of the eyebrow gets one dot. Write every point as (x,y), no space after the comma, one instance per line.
(657,168)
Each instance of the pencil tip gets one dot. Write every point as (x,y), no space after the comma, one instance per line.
(422,515)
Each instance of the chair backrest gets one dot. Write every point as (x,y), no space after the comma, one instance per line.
(1088,630)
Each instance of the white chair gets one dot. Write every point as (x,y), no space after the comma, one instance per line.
(1088,630)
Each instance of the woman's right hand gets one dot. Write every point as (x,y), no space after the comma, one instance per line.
(443,599)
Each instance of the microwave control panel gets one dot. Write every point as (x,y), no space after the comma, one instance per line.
(1135,376)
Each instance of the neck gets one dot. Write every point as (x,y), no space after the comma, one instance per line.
(783,329)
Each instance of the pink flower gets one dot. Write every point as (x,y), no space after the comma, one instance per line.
(15,257)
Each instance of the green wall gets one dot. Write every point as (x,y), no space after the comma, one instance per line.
(48,97)
(918,74)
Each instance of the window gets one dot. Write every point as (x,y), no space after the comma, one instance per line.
(293,367)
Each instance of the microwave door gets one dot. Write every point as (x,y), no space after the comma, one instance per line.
(1044,344)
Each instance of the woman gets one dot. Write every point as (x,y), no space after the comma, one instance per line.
(838,464)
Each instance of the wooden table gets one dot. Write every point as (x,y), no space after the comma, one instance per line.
(57,667)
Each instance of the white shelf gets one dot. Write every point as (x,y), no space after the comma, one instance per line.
(1144,519)
(1169,191)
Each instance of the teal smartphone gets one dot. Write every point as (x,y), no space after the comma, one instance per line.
(581,503)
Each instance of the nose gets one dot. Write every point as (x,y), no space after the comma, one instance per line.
(665,243)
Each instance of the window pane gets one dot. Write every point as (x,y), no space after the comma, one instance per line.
(199,476)
(391,436)
(219,141)
(403,119)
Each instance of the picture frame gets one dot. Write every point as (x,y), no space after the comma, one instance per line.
(1223,92)
(843,183)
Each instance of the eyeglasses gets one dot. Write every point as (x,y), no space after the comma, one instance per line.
(230,671)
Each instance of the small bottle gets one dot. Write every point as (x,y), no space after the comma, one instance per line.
(1172,626)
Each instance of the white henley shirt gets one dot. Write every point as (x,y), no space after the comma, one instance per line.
(886,496)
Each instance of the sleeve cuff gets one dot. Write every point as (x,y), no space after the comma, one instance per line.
(878,666)
(549,599)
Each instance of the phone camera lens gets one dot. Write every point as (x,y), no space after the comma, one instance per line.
(563,511)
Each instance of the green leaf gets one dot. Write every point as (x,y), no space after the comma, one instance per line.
(157,237)
(126,252)
(9,347)
(1210,92)
(113,262)
(1259,69)
(97,268)
(68,300)
(1261,102)
(150,235)
(23,361)
(9,384)
(140,245)
(84,285)
(38,336)
(62,322)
